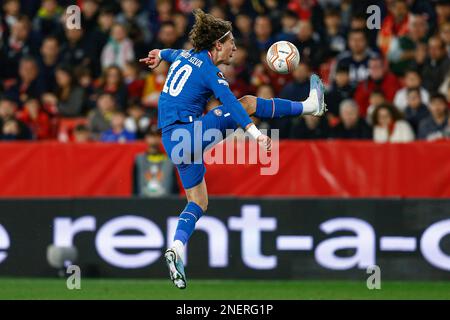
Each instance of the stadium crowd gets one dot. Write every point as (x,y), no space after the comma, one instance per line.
(387,84)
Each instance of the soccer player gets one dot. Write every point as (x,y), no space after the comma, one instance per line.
(192,78)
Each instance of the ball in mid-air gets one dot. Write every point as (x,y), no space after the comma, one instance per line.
(283,57)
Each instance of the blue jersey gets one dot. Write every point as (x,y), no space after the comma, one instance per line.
(191,80)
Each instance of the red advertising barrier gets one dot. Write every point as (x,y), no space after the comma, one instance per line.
(343,169)
(325,168)
(58,169)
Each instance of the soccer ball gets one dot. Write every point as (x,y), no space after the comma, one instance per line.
(283,57)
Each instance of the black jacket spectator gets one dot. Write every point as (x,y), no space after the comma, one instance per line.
(310,128)
(360,131)
(28,84)
(416,115)
(436,66)
(336,95)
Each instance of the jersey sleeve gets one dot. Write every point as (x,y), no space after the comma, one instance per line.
(169,55)
(215,81)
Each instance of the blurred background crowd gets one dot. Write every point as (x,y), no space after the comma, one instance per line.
(387,84)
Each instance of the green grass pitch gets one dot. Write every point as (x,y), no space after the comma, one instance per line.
(11,288)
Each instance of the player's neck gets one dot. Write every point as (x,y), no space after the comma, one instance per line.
(215,57)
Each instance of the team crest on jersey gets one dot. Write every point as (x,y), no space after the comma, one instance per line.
(218,112)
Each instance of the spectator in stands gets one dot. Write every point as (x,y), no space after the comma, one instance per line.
(401,52)
(69,95)
(308,10)
(28,84)
(21,42)
(240,63)
(310,128)
(11,130)
(135,85)
(112,82)
(117,132)
(75,48)
(436,125)
(48,17)
(48,60)
(388,125)
(357,57)
(119,49)
(442,8)
(444,33)
(412,80)
(351,125)
(153,172)
(333,37)
(36,119)
(308,44)
(415,110)
(137,22)
(262,38)
(290,26)
(436,65)
(216,10)
(181,24)
(358,21)
(89,15)
(340,90)
(164,12)
(99,119)
(257,24)
(238,7)
(244,31)
(11,14)
(167,37)
(394,25)
(376,98)
(154,84)
(137,121)
(81,134)
(10,127)
(86,82)
(379,79)
(99,38)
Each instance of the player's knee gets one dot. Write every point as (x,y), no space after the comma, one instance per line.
(249,103)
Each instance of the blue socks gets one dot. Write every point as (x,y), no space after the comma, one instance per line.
(186,222)
(277,108)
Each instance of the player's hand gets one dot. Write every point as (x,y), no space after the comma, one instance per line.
(153,60)
(265,142)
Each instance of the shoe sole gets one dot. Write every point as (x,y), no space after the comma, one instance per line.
(320,92)
(175,275)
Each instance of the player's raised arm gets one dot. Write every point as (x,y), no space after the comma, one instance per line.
(156,55)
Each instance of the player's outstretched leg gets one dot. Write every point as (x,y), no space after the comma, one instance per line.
(277,108)
(175,255)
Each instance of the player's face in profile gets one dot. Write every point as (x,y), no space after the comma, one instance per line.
(229,47)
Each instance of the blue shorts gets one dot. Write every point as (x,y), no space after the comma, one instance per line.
(185,143)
